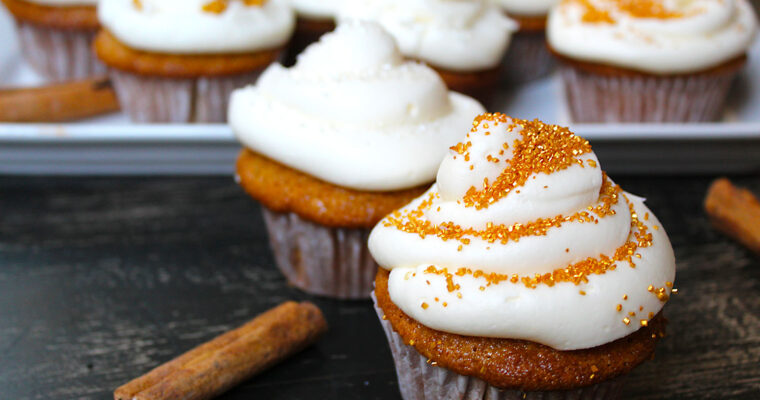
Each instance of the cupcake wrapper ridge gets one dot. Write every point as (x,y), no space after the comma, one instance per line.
(332,262)
(149,99)
(59,55)
(418,379)
(527,58)
(641,98)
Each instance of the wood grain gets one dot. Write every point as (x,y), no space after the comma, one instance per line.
(102,279)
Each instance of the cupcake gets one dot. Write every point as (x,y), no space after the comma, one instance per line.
(179,60)
(650,61)
(56,36)
(527,58)
(464,41)
(335,143)
(315,18)
(524,272)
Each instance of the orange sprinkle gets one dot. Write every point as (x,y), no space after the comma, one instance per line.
(425,306)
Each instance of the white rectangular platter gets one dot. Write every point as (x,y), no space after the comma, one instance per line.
(110,145)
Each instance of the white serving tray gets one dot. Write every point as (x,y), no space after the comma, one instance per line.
(112,145)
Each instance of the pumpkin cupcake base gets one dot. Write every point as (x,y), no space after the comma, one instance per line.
(160,88)
(56,41)
(599,93)
(480,85)
(433,364)
(318,231)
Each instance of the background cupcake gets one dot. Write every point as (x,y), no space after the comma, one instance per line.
(315,18)
(179,60)
(335,143)
(56,36)
(527,57)
(464,41)
(650,61)
(524,272)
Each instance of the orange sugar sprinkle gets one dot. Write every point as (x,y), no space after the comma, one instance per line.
(543,148)
(424,306)
(138,4)
(219,6)
(599,11)
(412,221)
(576,273)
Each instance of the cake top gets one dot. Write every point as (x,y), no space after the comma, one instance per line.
(524,232)
(454,35)
(199,26)
(317,116)
(655,36)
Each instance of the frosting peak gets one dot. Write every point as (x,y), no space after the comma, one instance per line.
(317,116)
(199,26)
(523,222)
(659,36)
(450,34)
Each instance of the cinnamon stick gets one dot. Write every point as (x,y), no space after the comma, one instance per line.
(735,212)
(59,102)
(216,366)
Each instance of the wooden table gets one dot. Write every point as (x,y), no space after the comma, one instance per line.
(102,279)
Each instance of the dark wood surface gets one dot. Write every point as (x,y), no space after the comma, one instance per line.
(102,279)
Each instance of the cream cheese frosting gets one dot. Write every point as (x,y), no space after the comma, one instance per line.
(353,113)
(317,9)
(65,3)
(524,237)
(526,7)
(655,36)
(198,26)
(454,35)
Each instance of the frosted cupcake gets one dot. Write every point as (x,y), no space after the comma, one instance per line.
(650,61)
(56,36)
(179,60)
(335,143)
(464,41)
(315,18)
(527,58)
(523,273)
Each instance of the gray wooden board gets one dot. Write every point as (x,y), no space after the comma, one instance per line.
(102,279)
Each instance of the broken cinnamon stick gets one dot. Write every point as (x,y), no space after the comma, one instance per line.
(216,366)
(59,102)
(735,212)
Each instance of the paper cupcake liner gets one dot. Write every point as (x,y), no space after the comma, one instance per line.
(528,58)
(756,5)
(420,380)
(152,99)
(59,55)
(333,262)
(640,98)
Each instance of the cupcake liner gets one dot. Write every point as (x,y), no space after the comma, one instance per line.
(159,99)
(333,262)
(756,5)
(527,58)
(59,55)
(420,380)
(645,98)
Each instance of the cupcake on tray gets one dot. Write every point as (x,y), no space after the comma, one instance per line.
(528,57)
(335,143)
(179,60)
(523,273)
(650,61)
(464,41)
(56,36)
(315,18)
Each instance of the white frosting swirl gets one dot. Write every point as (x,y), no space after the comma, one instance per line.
(317,9)
(454,35)
(700,35)
(526,7)
(183,27)
(64,3)
(566,315)
(317,116)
